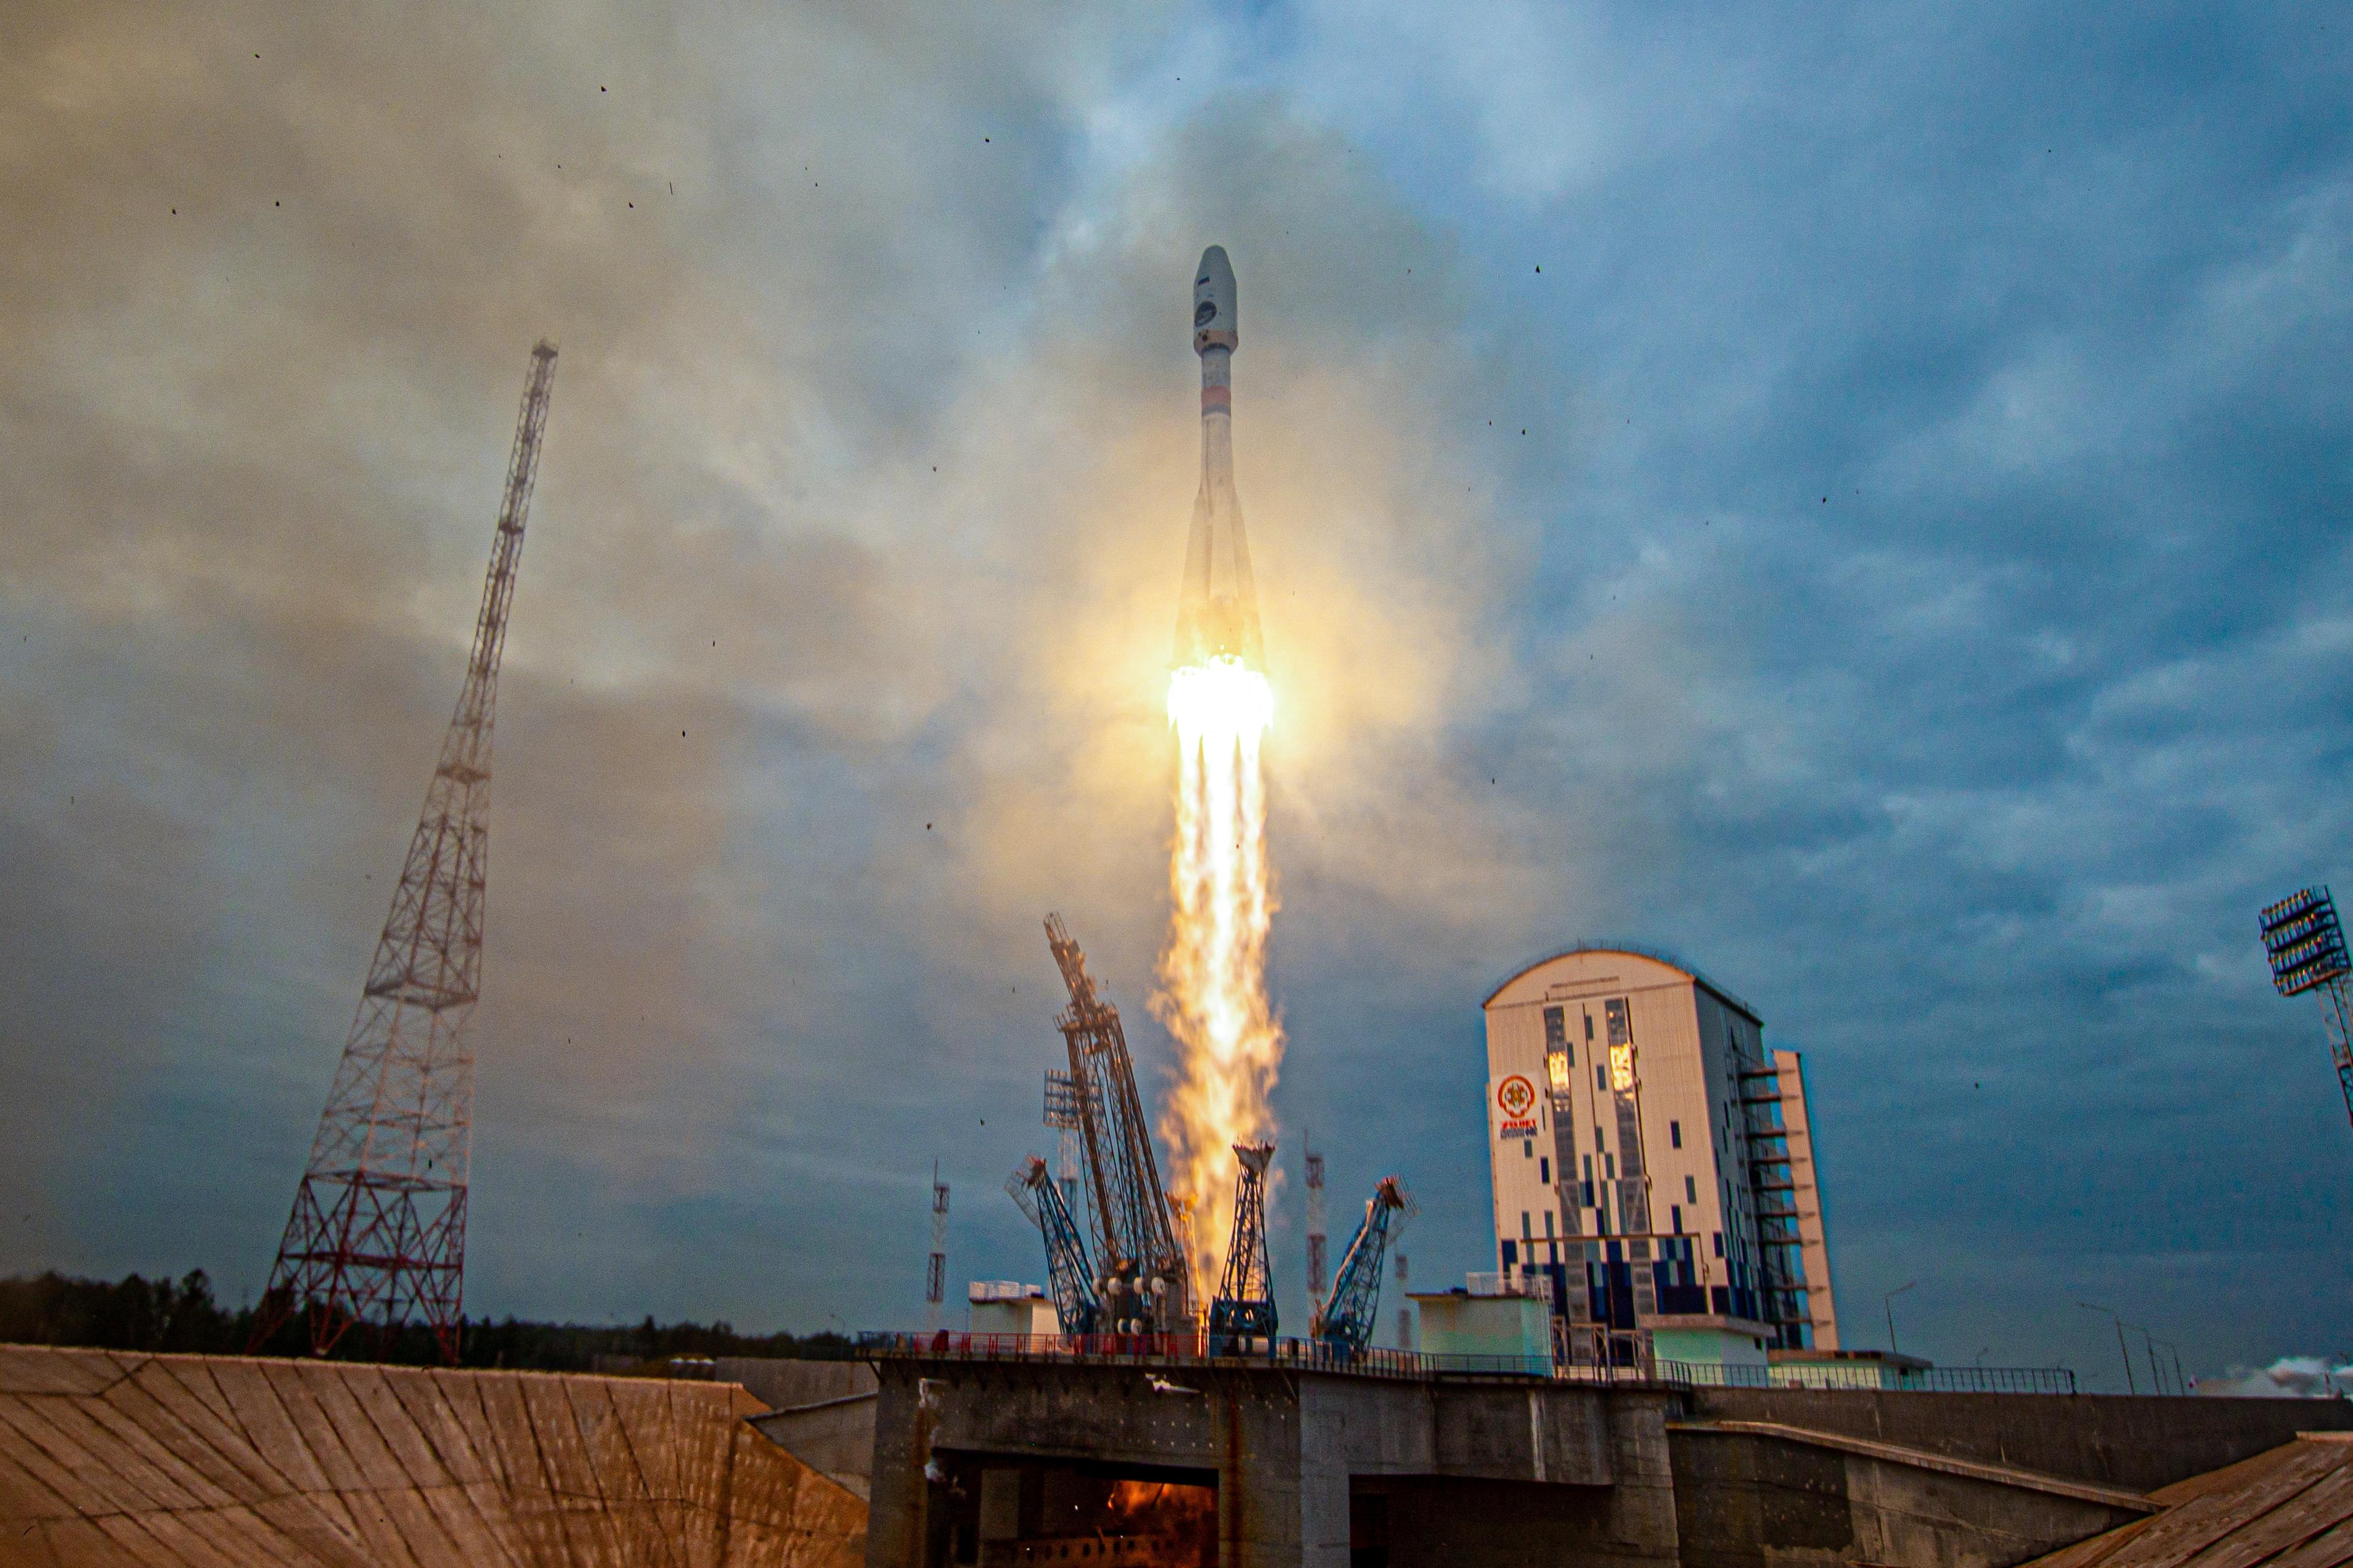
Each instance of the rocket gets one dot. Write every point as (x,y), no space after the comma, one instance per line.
(1216,613)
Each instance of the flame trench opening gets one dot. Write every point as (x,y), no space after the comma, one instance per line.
(1213,974)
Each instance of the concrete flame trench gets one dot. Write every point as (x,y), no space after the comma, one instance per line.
(1319,1467)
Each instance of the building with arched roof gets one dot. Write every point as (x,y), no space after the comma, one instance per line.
(1653,1163)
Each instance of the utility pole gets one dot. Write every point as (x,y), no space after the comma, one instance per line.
(378,1231)
(2123,1350)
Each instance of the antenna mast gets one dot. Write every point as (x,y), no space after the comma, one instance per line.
(378,1231)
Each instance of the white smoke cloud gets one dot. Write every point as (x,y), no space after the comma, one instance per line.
(2290,1377)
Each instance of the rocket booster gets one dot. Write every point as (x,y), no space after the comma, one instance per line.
(1217,614)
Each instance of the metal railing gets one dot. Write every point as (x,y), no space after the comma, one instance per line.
(1196,1349)
(1590,1356)
(1843,1375)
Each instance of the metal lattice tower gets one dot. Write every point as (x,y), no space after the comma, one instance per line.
(378,1231)
(1318,1274)
(935,1268)
(1348,1322)
(1149,1277)
(2307,948)
(1070,1277)
(1243,1308)
(1062,1116)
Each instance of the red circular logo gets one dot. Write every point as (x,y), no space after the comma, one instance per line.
(1517,1096)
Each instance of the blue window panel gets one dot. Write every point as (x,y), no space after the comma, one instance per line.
(1511,1256)
(1675,1133)
(1719,1244)
(1676,1218)
(1543,1170)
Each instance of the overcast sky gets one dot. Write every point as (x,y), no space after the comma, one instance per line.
(1854,497)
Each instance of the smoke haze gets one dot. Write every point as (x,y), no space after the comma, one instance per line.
(1805,497)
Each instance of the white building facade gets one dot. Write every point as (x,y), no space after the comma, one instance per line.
(1654,1164)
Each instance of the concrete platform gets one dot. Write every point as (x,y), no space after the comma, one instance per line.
(1028,1460)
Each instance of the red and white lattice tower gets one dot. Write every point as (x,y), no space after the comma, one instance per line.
(379,1232)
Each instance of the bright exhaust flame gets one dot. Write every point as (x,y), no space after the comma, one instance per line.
(1213,975)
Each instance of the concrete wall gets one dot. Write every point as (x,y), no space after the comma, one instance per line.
(1293,1455)
(1313,1468)
(822,1412)
(1746,1500)
(2116,1440)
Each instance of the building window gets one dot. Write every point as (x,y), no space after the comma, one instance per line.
(1719,1244)
(1676,1218)
(1675,1133)
(1588,1029)
(1548,1225)
(1598,1139)
(1589,1170)
(1543,1170)
(1528,1149)
(1601,1078)
(1690,1190)
(1609,1166)
(1554,1031)
(1527,1229)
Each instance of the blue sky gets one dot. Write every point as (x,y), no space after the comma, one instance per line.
(1855,499)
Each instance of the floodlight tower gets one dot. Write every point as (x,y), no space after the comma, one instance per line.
(2307,948)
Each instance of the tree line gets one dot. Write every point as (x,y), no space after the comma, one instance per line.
(136,1313)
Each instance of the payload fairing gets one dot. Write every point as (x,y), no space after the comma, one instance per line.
(1217,614)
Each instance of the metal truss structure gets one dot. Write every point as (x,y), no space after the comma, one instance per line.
(1243,1309)
(1147,1279)
(378,1231)
(1348,1322)
(1070,1277)
(2307,948)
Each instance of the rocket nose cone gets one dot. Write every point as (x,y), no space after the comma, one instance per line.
(1214,317)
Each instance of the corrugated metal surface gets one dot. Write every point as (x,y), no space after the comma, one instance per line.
(2290,1508)
(119,1458)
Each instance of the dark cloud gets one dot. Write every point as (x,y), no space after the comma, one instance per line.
(1914,597)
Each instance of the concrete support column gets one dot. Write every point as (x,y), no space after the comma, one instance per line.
(895,1521)
(1271,1511)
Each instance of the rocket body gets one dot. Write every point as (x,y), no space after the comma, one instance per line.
(1216,613)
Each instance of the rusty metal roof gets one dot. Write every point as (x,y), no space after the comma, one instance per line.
(224,1459)
(2291,1507)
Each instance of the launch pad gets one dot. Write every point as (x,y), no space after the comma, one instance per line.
(982,1458)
